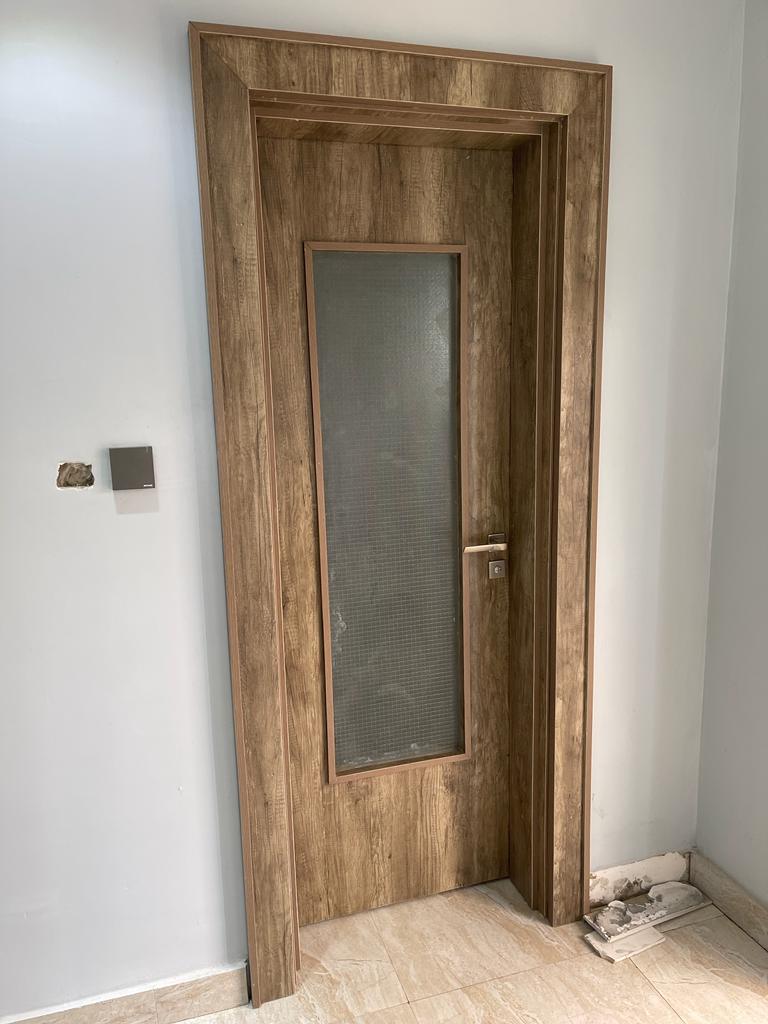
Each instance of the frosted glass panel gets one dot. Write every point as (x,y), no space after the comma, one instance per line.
(387,369)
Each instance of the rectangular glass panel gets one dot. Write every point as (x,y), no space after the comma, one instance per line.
(386,366)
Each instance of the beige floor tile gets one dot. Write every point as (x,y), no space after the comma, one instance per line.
(582,990)
(710,973)
(695,917)
(345,973)
(731,898)
(293,1011)
(236,1015)
(394,1015)
(346,978)
(201,996)
(706,972)
(464,937)
(570,936)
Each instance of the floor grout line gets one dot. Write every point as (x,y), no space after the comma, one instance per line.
(509,909)
(384,944)
(656,990)
(529,970)
(729,918)
(389,957)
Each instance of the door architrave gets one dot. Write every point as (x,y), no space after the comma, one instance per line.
(556,114)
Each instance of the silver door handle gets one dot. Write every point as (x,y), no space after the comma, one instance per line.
(497,542)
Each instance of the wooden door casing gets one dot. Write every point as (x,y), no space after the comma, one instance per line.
(471,95)
(373,841)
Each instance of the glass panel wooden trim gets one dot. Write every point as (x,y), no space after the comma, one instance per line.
(460,336)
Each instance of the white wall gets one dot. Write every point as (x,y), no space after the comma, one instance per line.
(120,854)
(733,820)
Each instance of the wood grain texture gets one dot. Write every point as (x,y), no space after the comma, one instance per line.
(213,29)
(344,71)
(240,373)
(568,102)
(393,112)
(602,137)
(380,840)
(526,230)
(578,363)
(548,385)
(342,131)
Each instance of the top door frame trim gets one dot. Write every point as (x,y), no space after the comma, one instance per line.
(230,68)
(357,42)
(349,109)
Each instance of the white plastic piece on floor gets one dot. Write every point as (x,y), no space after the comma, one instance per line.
(622,949)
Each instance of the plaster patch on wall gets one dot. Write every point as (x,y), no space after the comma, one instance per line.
(75,474)
(628,880)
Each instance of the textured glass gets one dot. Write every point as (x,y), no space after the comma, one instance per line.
(387,358)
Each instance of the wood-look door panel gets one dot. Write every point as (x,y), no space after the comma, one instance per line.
(373,841)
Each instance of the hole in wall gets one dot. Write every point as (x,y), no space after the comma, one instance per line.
(75,474)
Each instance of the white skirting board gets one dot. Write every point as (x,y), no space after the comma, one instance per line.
(627,880)
(730,897)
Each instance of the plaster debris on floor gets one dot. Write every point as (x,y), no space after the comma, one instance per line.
(663,902)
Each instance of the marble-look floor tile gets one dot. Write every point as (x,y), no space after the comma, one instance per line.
(236,1015)
(710,973)
(345,975)
(732,899)
(569,936)
(402,1014)
(695,917)
(582,990)
(465,937)
(346,971)
(293,1011)
(201,996)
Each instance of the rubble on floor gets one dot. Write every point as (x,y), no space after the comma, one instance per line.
(626,927)
(624,948)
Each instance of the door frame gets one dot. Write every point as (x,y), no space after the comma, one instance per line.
(244,79)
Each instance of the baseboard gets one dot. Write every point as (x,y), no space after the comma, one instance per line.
(627,880)
(164,1002)
(730,897)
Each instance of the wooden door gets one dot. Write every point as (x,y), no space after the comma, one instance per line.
(384,836)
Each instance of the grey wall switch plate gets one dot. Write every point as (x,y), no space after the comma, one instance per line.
(133,469)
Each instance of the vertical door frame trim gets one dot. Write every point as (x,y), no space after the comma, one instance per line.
(458,91)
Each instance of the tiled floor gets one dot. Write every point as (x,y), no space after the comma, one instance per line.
(480,955)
